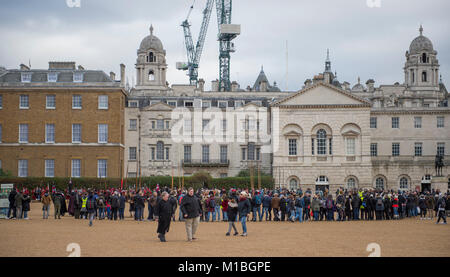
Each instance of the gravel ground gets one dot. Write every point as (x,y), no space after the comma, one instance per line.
(38,237)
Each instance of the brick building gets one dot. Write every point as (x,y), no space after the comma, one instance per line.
(61,122)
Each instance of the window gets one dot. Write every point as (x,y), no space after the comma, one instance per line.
(187,153)
(373,149)
(251,124)
(160,124)
(132,154)
(292,147)
(103,102)
(417,122)
(188,103)
(151,58)
(321,142)
(50,102)
(133,104)
(76,101)
(167,153)
(223,153)
(239,103)
(23,133)
(258,154)
(76,133)
(23,168)
(243,153)
(424,76)
(102,133)
(224,124)
(49,133)
(223,104)
(160,150)
(395,123)
(205,153)
(223,175)
(133,124)
(102,166)
(172,103)
(49,168)
(373,122)
(351,183)
(251,151)
(330,146)
(205,125)
(52,77)
(152,155)
(396,149)
(440,149)
(351,146)
(418,149)
(206,104)
(404,183)
(26,77)
(424,58)
(312,146)
(151,75)
(440,121)
(24,103)
(77,77)
(153,125)
(293,184)
(379,183)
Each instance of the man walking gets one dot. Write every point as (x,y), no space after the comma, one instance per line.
(91,207)
(163,213)
(191,208)
(46,200)
(12,206)
(114,205)
(441,209)
(18,199)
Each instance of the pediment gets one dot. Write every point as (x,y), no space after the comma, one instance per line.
(158,107)
(322,95)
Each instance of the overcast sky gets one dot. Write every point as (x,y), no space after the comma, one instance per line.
(101,34)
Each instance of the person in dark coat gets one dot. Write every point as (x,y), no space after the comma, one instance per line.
(163,213)
(26,205)
(12,206)
(72,204)
(18,200)
(91,206)
(232,214)
(122,201)
(191,208)
(244,209)
(173,202)
(63,204)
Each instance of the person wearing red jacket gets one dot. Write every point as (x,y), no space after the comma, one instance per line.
(225,208)
(395,206)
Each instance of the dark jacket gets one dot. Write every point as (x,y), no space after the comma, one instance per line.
(91,198)
(139,201)
(283,204)
(379,205)
(244,207)
(12,198)
(115,202)
(356,202)
(266,202)
(122,201)
(26,203)
(232,211)
(191,206)
(18,199)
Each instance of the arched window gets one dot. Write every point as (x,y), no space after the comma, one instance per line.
(151,57)
(160,150)
(424,76)
(293,184)
(351,183)
(404,183)
(424,58)
(321,142)
(151,75)
(379,183)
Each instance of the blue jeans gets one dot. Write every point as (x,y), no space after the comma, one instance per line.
(330,215)
(257,210)
(316,216)
(395,211)
(212,214)
(138,214)
(121,213)
(299,214)
(356,213)
(101,213)
(225,215)
(25,214)
(243,220)
(45,211)
(217,212)
(265,212)
(150,212)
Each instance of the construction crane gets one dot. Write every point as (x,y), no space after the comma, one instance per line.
(194,53)
(227,32)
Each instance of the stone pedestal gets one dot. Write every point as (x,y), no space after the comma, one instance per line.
(440,183)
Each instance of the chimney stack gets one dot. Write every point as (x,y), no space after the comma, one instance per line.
(234,86)
(112,75)
(215,85)
(122,75)
(370,85)
(201,85)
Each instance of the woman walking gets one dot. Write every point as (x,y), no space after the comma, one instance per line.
(232,214)
(163,213)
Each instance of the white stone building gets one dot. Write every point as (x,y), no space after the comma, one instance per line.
(328,134)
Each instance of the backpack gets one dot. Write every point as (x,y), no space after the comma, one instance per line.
(90,204)
(212,203)
(379,202)
(258,200)
(329,204)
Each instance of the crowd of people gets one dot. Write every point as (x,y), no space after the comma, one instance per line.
(232,205)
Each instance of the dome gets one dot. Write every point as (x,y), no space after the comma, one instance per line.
(358,87)
(420,44)
(151,42)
